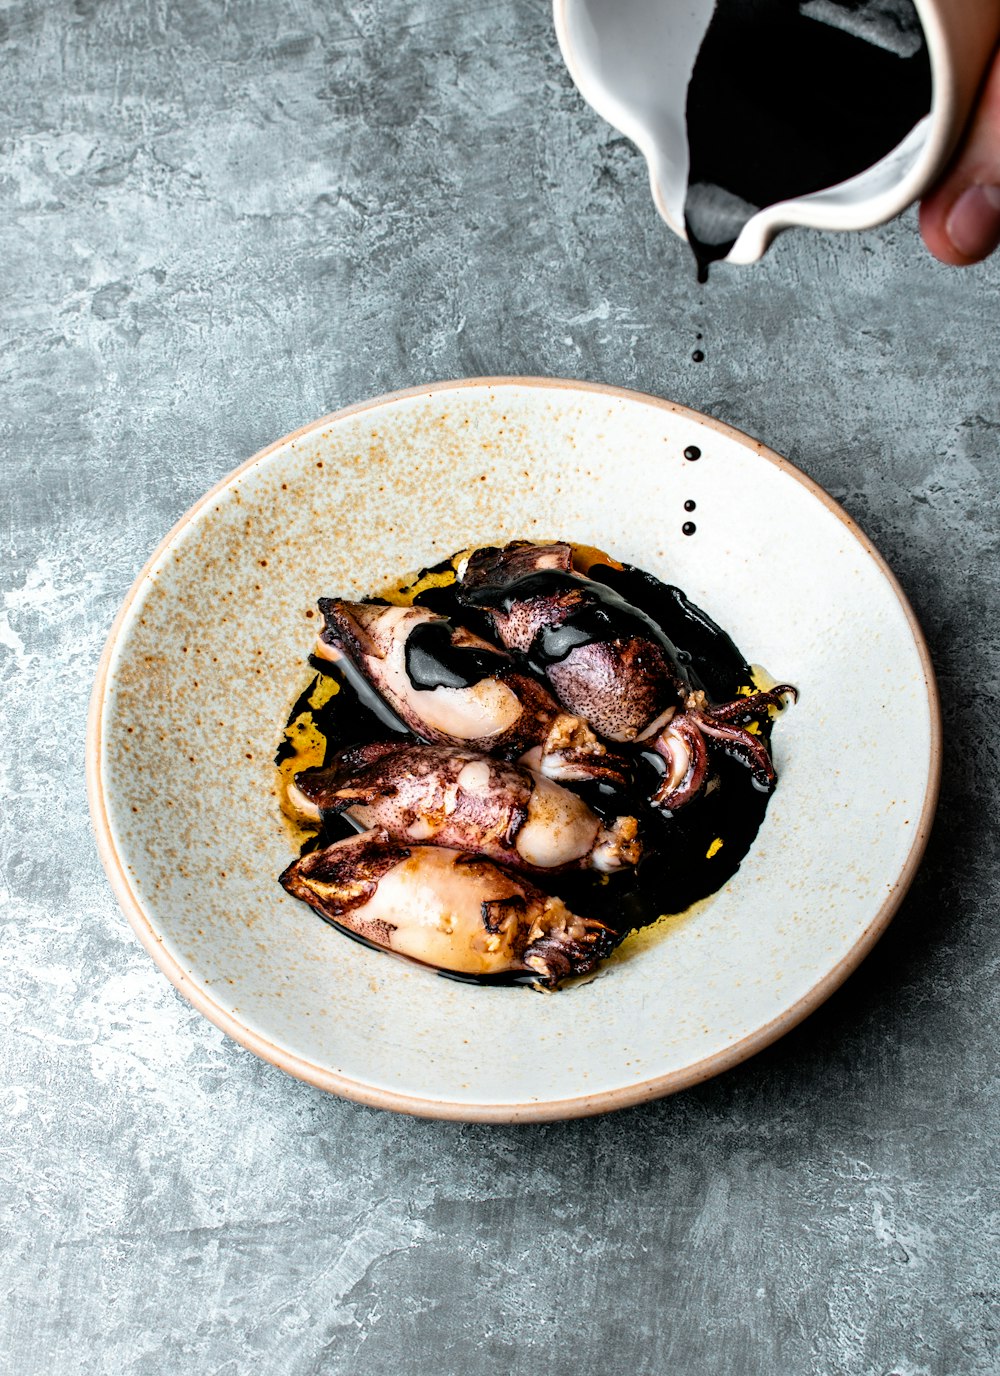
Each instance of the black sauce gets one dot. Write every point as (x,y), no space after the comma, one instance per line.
(301,705)
(445,602)
(355,714)
(688,528)
(686,856)
(432,661)
(374,707)
(692,453)
(787,98)
(689,505)
(698,355)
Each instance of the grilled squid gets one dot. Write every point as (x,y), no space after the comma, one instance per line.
(457,797)
(449,686)
(605,660)
(447,909)
(609,663)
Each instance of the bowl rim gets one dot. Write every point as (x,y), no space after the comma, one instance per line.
(538,1111)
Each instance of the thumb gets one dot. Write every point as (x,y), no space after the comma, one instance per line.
(960,217)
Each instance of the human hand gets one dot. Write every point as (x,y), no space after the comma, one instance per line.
(960,216)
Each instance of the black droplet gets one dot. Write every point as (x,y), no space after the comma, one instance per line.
(689,505)
(689,528)
(692,452)
(698,356)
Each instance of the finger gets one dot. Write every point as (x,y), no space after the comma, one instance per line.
(960,217)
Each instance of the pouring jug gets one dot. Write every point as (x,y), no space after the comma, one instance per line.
(632,60)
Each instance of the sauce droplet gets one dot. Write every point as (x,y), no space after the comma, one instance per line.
(698,356)
(689,505)
(692,452)
(689,528)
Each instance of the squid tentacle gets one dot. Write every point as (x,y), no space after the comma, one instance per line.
(683,743)
(575,948)
(742,745)
(753,705)
(682,746)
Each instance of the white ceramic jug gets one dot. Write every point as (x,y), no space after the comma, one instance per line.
(632,61)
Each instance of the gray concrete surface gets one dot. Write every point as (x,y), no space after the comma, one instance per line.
(220,220)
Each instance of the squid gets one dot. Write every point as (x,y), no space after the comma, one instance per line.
(460,798)
(447,909)
(451,687)
(604,660)
(609,663)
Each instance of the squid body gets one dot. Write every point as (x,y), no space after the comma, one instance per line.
(457,797)
(448,909)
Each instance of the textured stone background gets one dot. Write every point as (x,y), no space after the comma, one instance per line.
(220,220)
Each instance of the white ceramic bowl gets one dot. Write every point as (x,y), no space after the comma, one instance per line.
(209,651)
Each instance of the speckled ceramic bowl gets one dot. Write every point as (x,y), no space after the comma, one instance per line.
(209,652)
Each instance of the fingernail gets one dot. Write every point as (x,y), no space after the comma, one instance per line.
(973,224)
